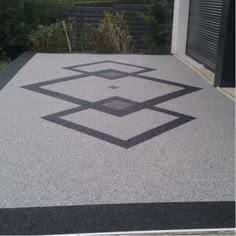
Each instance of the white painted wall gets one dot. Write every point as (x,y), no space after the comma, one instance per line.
(180,27)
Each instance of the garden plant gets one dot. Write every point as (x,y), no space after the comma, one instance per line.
(36,25)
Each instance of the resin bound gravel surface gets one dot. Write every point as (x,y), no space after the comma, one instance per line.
(110,143)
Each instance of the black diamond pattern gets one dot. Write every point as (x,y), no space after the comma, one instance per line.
(116,106)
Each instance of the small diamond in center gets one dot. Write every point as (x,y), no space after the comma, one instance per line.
(113,87)
(117,104)
(111,74)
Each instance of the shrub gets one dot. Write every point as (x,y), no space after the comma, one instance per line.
(3,55)
(52,38)
(114,34)
(88,37)
(19,17)
(158,38)
(107,2)
(110,36)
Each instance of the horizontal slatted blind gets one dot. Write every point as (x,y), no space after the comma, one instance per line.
(204,31)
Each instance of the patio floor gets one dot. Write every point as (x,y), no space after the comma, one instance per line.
(104,143)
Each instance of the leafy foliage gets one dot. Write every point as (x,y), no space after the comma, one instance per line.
(52,38)
(110,36)
(107,2)
(19,17)
(115,34)
(158,38)
(88,37)
(3,64)
(4,60)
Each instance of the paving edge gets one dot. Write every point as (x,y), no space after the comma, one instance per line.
(223,231)
(14,67)
(195,66)
(226,94)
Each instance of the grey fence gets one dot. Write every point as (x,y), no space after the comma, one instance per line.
(95,14)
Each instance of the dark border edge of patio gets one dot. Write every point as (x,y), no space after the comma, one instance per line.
(14,67)
(117,218)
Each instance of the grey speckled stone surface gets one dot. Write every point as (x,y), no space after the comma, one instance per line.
(45,164)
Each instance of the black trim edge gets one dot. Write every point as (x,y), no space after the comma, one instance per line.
(117,218)
(13,68)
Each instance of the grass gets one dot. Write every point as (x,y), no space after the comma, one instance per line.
(3,64)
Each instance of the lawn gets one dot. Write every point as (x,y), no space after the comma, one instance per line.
(3,64)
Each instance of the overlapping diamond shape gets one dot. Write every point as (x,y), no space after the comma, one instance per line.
(115,105)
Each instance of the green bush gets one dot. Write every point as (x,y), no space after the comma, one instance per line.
(3,55)
(88,37)
(158,38)
(114,34)
(19,17)
(108,2)
(52,38)
(4,60)
(110,36)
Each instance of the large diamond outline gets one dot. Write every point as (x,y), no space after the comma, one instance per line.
(131,142)
(184,89)
(98,105)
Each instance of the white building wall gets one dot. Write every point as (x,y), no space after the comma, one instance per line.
(180,27)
